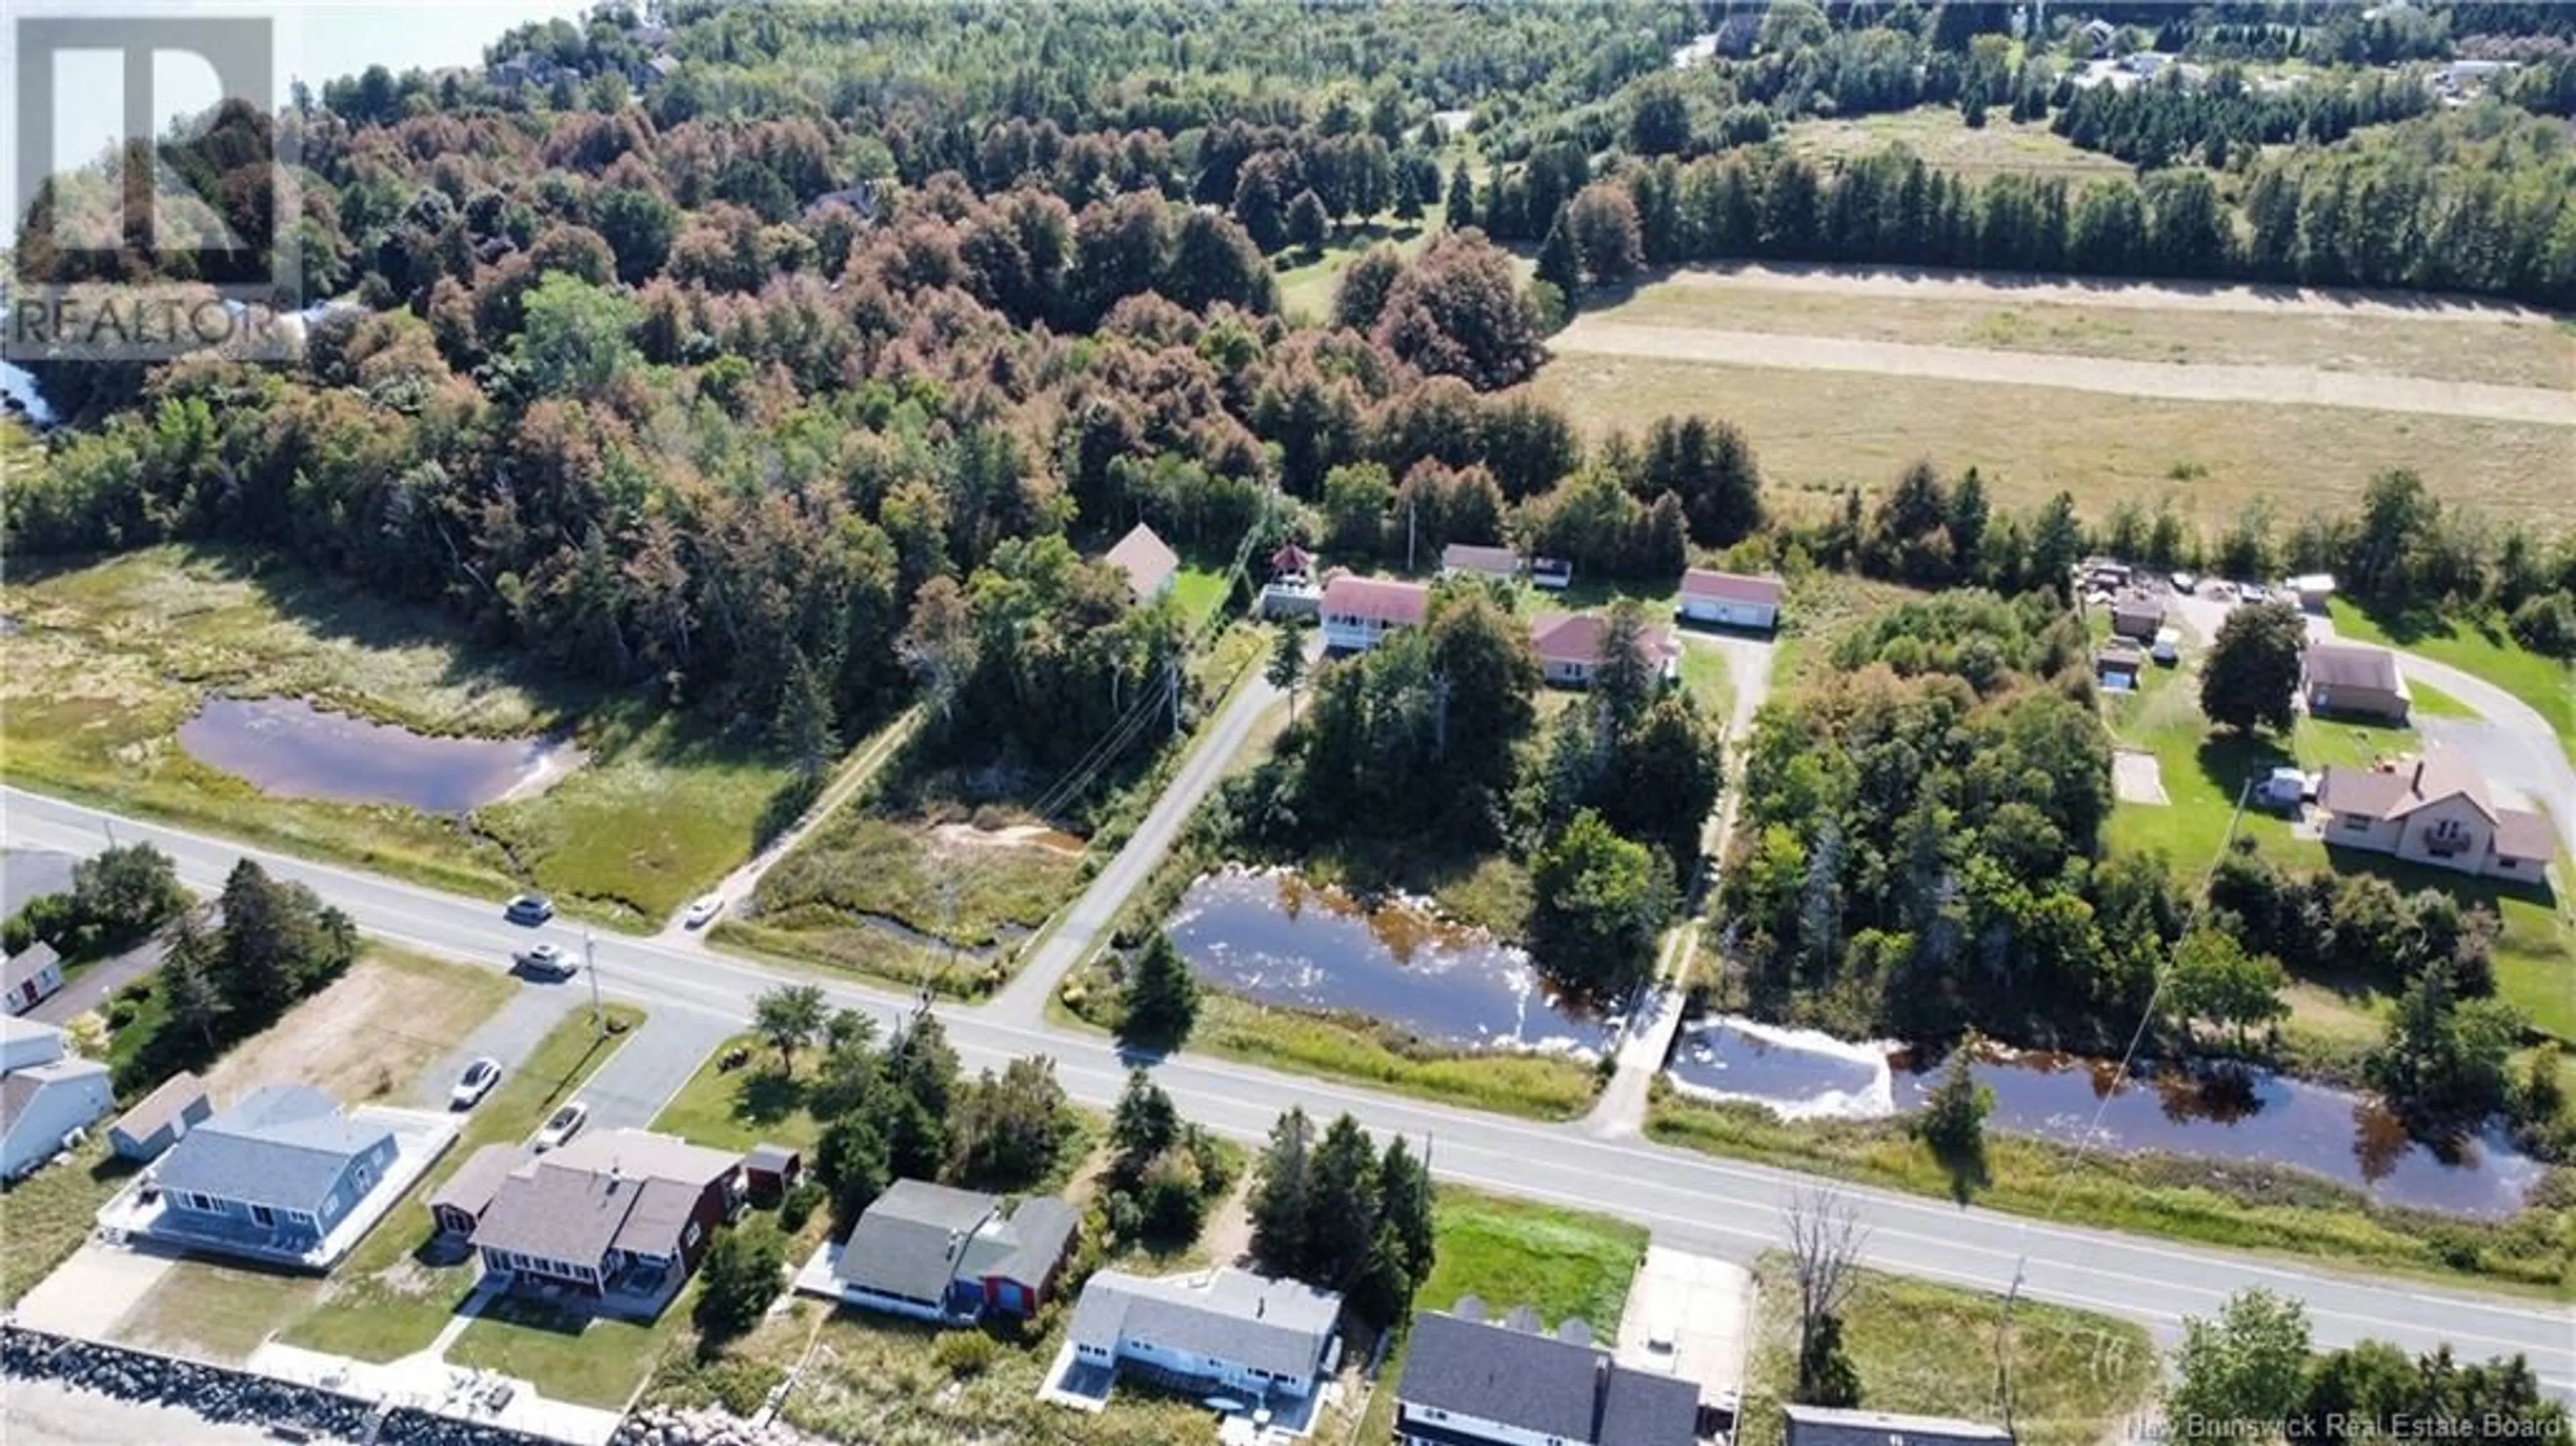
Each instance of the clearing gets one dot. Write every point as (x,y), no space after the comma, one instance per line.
(1945,141)
(1922,1349)
(111,658)
(370,1034)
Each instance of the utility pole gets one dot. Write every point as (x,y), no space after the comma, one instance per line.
(1412,514)
(1172,677)
(590,966)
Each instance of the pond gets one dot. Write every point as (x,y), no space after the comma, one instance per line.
(2219,1114)
(1274,937)
(19,386)
(290,748)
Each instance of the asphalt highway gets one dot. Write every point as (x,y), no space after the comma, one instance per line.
(1688,1200)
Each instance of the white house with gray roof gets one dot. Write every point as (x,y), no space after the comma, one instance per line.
(1470,1382)
(940,1254)
(1225,1329)
(46,1092)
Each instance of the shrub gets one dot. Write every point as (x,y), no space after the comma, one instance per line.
(964,1353)
(799,1205)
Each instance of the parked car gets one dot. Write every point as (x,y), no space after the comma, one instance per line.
(547,959)
(474,1084)
(2185,583)
(530,909)
(2251,592)
(562,1125)
(701,910)
(2168,646)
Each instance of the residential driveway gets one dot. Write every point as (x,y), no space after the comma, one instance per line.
(96,983)
(88,1294)
(509,1036)
(2137,777)
(650,1067)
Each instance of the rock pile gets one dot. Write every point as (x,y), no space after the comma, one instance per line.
(219,1394)
(710,1426)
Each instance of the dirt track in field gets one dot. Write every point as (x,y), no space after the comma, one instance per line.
(1932,284)
(2279,385)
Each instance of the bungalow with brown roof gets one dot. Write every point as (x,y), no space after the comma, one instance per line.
(1730,599)
(1360,611)
(1569,647)
(2433,809)
(2353,679)
(1149,562)
(621,1216)
(2137,615)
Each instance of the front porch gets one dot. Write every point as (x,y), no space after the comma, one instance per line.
(638,1290)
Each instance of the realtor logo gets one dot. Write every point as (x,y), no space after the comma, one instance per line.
(148,235)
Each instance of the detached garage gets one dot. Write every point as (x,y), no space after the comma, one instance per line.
(1731,599)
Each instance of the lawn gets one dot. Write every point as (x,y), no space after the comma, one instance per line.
(2476,647)
(735,1109)
(46,1216)
(1824,429)
(216,1312)
(2234,1205)
(571,1355)
(368,1037)
(391,1296)
(113,657)
(2125,326)
(1924,1349)
(2432,702)
(1704,678)
(1944,140)
(1198,591)
(1307,283)
(1564,1264)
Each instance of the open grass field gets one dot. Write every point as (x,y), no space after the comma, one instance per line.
(1306,283)
(112,657)
(392,1295)
(1818,429)
(2235,1205)
(2482,648)
(367,1037)
(2109,325)
(1944,140)
(46,1216)
(733,1109)
(1924,1349)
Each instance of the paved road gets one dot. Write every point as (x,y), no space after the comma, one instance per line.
(1692,1202)
(1023,1000)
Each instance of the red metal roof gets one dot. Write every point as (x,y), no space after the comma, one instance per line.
(1382,599)
(1733,587)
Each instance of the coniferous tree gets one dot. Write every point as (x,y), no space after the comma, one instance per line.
(1162,994)
(1458,211)
(1281,1191)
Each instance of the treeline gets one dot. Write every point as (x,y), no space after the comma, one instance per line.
(1327,1208)
(1919,847)
(2474,201)
(2168,122)
(270,944)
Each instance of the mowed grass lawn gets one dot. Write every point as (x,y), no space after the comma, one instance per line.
(1931,1350)
(1945,141)
(2482,648)
(753,1103)
(1563,1264)
(392,1295)
(111,658)
(1307,281)
(1825,429)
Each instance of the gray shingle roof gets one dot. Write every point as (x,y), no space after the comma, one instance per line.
(631,1190)
(1279,1326)
(1025,1246)
(27,963)
(20,1087)
(1146,559)
(911,1241)
(1534,1382)
(1641,1408)
(2350,665)
(475,1183)
(557,1214)
(170,1099)
(1826,1426)
(283,1146)
(1473,557)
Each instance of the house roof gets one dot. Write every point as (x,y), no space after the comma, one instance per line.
(475,1182)
(282,1145)
(623,1189)
(1382,599)
(2522,834)
(1649,1409)
(16,1028)
(1290,558)
(1578,638)
(2138,605)
(1475,557)
(2399,788)
(154,1112)
(771,1159)
(911,1241)
(1826,1426)
(1254,1321)
(1764,590)
(1145,558)
(27,963)
(1543,1384)
(21,1087)
(2351,665)
(1024,1246)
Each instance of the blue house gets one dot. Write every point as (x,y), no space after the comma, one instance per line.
(273,1174)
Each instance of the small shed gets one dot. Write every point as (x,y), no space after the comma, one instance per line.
(161,1119)
(2315,589)
(2117,666)
(1556,574)
(773,1170)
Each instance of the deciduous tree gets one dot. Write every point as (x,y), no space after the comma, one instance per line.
(2251,675)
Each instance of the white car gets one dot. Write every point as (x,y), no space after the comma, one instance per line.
(701,910)
(2185,583)
(562,1125)
(474,1084)
(546,959)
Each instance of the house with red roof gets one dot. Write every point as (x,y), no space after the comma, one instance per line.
(2434,809)
(1360,611)
(1569,647)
